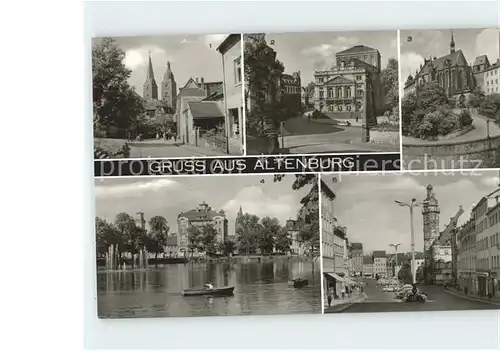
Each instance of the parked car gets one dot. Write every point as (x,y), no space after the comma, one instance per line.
(390,288)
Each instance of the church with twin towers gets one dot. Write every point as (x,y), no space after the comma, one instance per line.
(168,87)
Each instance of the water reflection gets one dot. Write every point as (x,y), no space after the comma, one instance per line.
(260,288)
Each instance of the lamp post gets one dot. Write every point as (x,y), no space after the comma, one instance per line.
(411,205)
(395,246)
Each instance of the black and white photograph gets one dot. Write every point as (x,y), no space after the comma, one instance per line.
(451,102)
(324,92)
(207,246)
(401,242)
(167,96)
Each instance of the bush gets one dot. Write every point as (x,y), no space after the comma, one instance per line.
(447,122)
(464,119)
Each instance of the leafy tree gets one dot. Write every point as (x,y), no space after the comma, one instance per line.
(390,83)
(490,107)
(158,235)
(227,247)
(194,239)
(247,233)
(282,241)
(464,119)
(267,237)
(262,72)
(115,104)
(106,235)
(208,238)
(476,98)
(125,226)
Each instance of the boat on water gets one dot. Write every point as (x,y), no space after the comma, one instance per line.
(299,282)
(224,291)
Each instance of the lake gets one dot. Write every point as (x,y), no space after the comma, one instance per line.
(260,288)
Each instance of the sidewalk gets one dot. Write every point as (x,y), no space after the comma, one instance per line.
(473,297)
(341,304)
(202,151)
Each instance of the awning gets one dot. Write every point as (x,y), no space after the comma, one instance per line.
(334,276)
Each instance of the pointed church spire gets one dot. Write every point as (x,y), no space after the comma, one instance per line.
(240,212)
(452,44)
(150,88)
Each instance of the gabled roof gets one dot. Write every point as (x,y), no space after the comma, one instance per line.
(356,50)
(197,215)
(481,60)
(205,109)
(339,80)
(379,254)
(191,92)
(456,58)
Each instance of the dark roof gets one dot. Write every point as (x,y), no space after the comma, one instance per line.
(356,246)
(340,231)
(205,109)
(172,240)
(194,215)
(191,92)
(367,260)
(456,58)
(215,96)
(480,60)
(357,49)
(229,42)
(493,66)
(379,254)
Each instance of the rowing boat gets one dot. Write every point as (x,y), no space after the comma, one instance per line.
(225,291)
(299,283)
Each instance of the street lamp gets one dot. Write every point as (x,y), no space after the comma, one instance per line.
(395,246)
(411,205)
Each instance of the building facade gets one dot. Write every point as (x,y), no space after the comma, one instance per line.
(380,264)
(356,258)
(293,228)
(230,50)
(490,79)
(291,91)
(368,266)
(201,216)
(352,87)
(466,256)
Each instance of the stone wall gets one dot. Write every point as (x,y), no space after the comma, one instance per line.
(481,153)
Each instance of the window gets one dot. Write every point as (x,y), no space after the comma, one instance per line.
(237,71)
(320,80)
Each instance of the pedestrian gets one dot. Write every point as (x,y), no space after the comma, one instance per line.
(329,298)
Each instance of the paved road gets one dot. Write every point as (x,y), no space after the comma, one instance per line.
(302,137)
(439,300)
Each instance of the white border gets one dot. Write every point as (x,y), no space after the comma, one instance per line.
(243,128)
(400,94)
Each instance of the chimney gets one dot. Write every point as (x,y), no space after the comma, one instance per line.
(202,82)
(196,80)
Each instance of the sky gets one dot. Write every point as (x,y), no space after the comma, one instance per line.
(170,196)
(365,204)
(307,52)
(424,43)
(189,56)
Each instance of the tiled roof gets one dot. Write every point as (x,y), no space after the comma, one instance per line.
(379,254)
(191,92)
(356,246)
(356,49)
(195,215)
(205,109)
(480,60)
(456,58)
